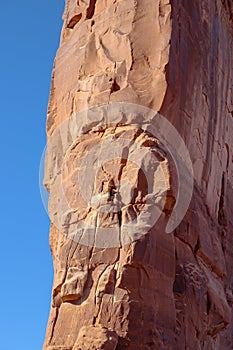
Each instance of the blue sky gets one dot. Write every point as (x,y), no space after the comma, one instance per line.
(29,39)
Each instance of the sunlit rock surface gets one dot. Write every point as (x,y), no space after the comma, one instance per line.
(121,288)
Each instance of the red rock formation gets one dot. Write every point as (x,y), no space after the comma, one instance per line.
(144,289)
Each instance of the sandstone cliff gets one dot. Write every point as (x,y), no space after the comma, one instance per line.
(120,280)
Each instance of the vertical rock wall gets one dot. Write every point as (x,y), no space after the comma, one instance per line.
(159,291)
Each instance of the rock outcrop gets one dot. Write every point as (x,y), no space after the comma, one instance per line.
(115,180)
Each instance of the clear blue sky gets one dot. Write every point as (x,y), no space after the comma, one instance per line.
(29,39)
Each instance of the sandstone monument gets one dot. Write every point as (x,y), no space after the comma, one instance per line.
(139,172)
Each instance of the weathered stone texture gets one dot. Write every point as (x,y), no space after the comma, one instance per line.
(160,291)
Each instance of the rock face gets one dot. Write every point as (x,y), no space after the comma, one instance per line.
(120,280)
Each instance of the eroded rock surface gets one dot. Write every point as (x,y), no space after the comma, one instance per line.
(123,288)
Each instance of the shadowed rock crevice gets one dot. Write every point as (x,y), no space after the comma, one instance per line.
(91,9)
(115,87)
(72,23)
